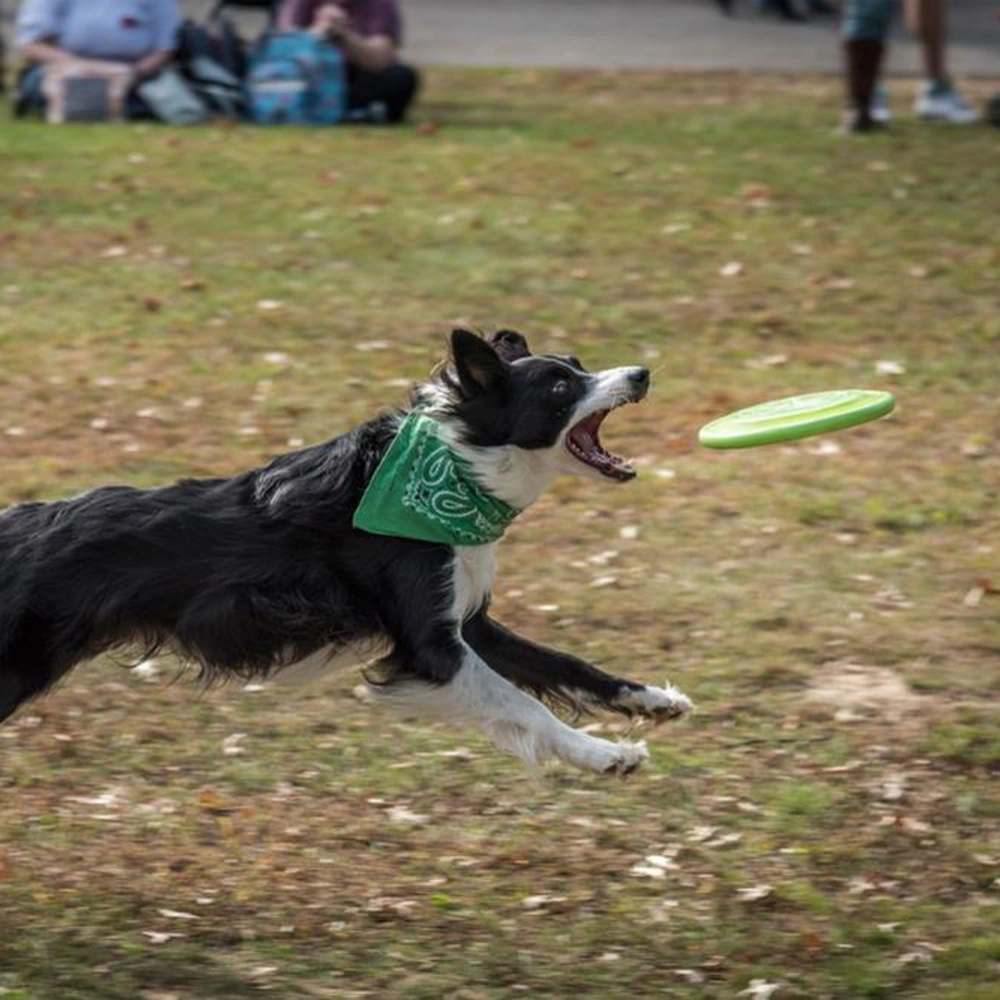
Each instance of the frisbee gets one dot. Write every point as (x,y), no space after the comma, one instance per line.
(796,417)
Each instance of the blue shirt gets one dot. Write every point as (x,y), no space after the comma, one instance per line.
(120,30)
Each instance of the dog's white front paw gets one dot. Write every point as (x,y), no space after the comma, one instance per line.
(605,757)
(658,704)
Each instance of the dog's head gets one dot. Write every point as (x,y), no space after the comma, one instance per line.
(548,408)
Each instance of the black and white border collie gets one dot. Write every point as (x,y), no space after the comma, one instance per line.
(264,572)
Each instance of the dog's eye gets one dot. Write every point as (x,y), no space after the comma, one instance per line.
(560,388)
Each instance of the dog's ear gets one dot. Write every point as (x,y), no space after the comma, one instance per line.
(479,368)
(510,345)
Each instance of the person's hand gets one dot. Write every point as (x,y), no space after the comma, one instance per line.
(331,21)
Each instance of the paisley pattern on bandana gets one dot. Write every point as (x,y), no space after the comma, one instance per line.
(423,490)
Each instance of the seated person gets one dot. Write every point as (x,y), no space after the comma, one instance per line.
(369,33)
(139,32)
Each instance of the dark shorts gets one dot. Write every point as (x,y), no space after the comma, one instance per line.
(867,20)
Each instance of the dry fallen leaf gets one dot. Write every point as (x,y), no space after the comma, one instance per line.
(540,901)
(731,270)
(401,814)
(178,915)
(973,596)
(887,367)
(701,833)
(754,893)
(760,989)
(210,801)
(231,745)
(161,937)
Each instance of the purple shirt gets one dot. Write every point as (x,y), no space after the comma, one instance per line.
(368,17)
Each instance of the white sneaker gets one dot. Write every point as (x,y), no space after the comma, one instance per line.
(942,102)
(880,110)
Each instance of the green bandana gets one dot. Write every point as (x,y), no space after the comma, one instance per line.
(423,490)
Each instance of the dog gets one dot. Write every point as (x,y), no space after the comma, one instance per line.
(268,571)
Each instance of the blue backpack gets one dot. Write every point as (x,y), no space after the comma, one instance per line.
(295,78)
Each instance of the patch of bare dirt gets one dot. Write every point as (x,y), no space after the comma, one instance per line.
(857,691)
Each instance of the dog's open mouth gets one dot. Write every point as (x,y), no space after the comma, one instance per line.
(584,443)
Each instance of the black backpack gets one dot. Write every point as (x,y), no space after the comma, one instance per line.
(213,60)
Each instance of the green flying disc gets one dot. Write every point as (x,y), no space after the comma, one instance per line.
(796,417)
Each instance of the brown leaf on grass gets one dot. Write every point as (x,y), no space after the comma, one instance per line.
(213,803)
(151,303)
(192,284)
(757,195)
(385,908)
(428,128)
(835,284)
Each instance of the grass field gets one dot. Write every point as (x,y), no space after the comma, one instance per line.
(826,825)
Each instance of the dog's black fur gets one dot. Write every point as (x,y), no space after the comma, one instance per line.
(247,575)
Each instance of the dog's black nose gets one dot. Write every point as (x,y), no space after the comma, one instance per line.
(639,377)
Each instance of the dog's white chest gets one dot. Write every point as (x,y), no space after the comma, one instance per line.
(473,572)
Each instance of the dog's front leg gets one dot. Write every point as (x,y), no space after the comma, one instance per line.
(567,679)
(445,678)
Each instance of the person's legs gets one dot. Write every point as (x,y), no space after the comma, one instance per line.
(937,98)
(865,27)
(383,96)
(928,20)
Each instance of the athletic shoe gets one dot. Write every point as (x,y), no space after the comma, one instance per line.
(880,110)
(940,101)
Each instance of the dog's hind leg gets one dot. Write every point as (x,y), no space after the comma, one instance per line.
(566,679)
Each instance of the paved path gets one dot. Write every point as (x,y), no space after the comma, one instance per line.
(673,34)
(676,34)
